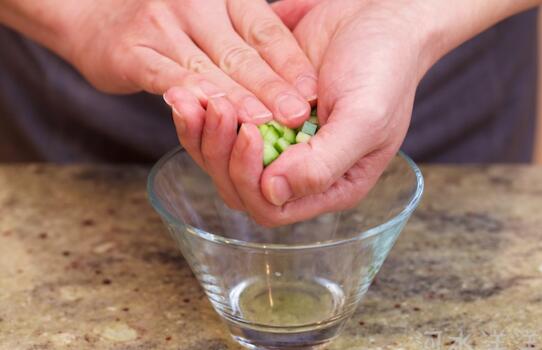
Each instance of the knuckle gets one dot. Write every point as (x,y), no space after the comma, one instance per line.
(377,121)
(151,76)
(270,220)
(293,63)
(198,63)
(272,86)
(212,154)
(237,58)
(117,59)
(373,117)
(348,200)
(152,13)
(318,177)
(266,33)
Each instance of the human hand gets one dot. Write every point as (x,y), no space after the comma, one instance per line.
(370,56)
(369,62)
(237,48)
(367,83)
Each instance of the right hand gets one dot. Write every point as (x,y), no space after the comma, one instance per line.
(236,48)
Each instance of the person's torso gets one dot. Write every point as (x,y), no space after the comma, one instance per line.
(476,105)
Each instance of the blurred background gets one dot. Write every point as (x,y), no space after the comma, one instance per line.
(480,104)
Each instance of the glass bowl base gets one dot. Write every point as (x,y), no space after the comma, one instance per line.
(307,339)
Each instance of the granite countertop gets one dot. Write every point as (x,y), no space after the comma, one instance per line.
(85,263)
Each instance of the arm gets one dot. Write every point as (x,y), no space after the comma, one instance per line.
(236,48)
(48,22)
(453,22)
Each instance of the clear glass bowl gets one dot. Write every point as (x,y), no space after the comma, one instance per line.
(291,287)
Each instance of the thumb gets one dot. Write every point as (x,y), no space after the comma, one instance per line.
(292,11)
(311,168)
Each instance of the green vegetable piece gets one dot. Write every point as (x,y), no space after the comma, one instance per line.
(281,145)
(309,128)
(289,135)
(271,136)
(313,120)
(302,137)
(263,129)
(269,153)
(277,126)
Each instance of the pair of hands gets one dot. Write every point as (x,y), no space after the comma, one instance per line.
(368,72)
(362,58)
(239,61)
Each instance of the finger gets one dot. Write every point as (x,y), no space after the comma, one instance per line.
(246,167)
(263,30)
(219,135)
(311,168)
(188,117)
(243,63)
(155,73)
(292,11)
(211,80)
(344,194)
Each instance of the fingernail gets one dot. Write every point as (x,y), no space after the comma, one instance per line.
(180,122)
(167,98)
(213,120)
(291,106)
(257,112)
(244,138)
(307,86)
(280,190)
(210,89)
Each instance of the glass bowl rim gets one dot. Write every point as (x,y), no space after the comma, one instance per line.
(218,239)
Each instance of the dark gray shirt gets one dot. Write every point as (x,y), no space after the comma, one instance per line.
(476,105)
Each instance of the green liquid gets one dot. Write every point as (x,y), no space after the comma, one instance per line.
(288,303)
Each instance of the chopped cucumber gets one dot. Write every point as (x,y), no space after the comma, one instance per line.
(269,153)
(271,136)
(264,128)
(309,128)
(279,128)
(289,135)
(302,137)
(281,145)
(277,137)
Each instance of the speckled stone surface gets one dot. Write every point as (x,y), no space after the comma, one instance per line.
(85,263)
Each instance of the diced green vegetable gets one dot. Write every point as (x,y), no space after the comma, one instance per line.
(309,128)
(281,145)
(271,136)
(269,153)
(289,135)
(263,129)
(279,128)
(277,137)
(301,137)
